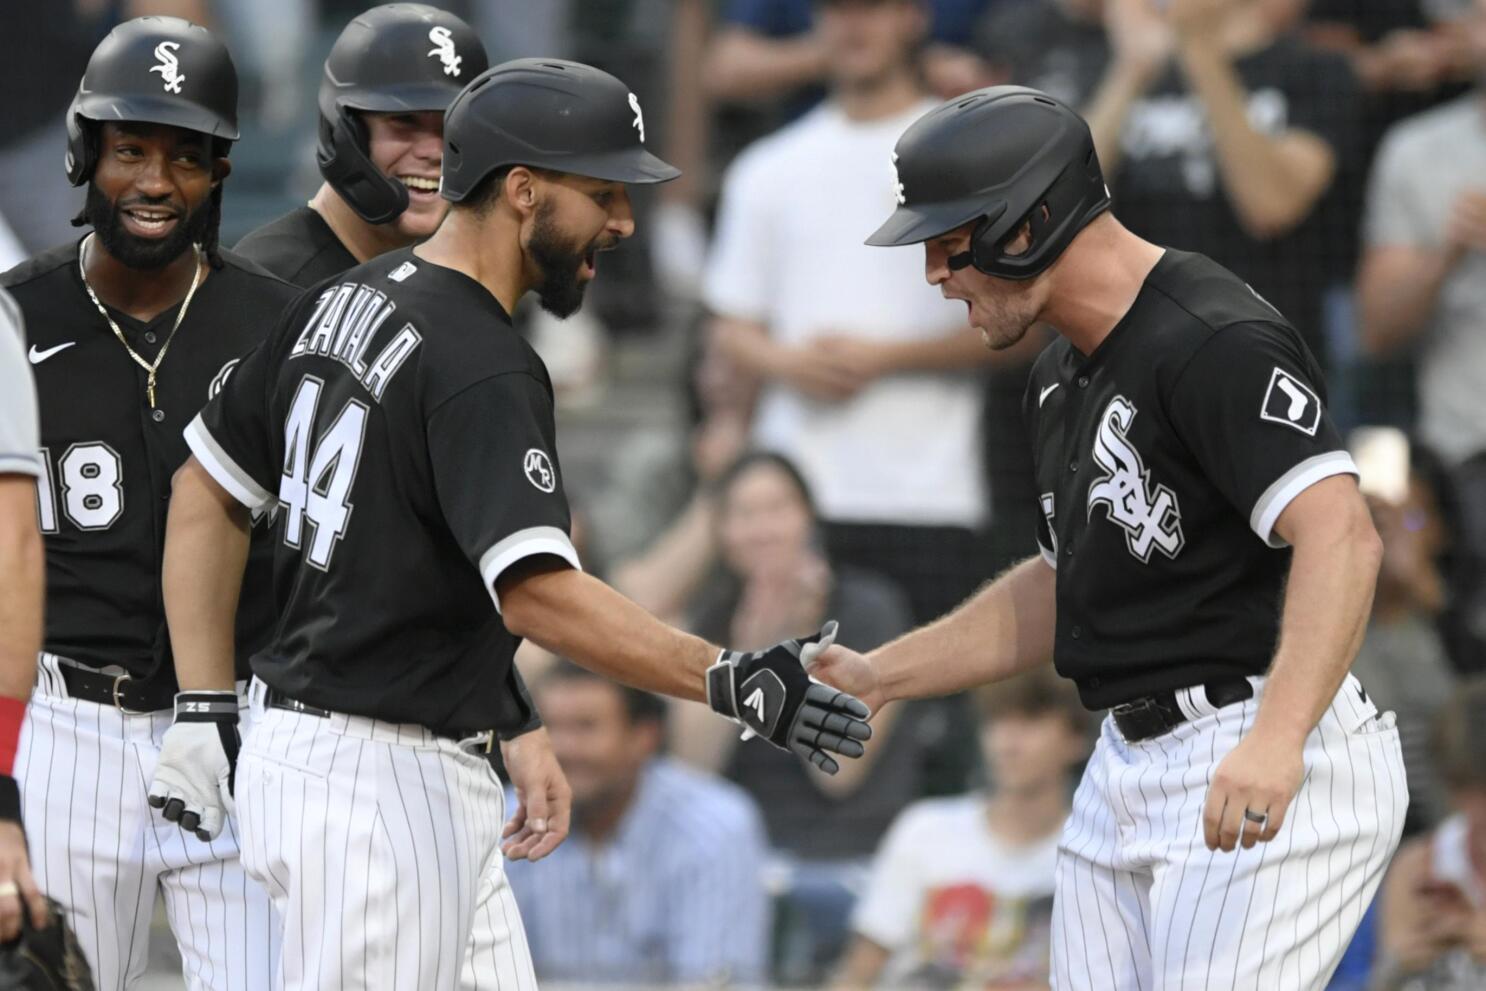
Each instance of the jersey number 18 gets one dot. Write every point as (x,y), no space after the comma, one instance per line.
(316,484)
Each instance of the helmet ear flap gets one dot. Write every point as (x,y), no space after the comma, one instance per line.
(82,147)
(345,162)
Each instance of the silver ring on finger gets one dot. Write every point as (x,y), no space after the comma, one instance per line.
(9,888)
(1259,817)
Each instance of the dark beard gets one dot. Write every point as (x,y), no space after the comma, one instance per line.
(107,222)
(561,291)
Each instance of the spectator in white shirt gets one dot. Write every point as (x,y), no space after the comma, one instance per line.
(869,378)
(961,891)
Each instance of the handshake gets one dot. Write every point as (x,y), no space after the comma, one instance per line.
(771,695)
(768,692)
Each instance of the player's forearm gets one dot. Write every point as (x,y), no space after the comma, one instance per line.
(206,550)
(1005,628)
(576,616)
(1397,291)
(1271,182)
(1327,600)
(22,585)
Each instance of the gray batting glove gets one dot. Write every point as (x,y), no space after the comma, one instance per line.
(770,695)
(198,759)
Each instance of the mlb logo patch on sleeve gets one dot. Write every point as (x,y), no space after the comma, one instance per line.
(1291,402)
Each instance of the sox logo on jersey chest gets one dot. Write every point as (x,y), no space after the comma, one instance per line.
(1150,516)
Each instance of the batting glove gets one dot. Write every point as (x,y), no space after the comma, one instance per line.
(198,761)
(770,695)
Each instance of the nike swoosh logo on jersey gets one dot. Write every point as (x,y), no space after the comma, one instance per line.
(37,357)
(1042,396)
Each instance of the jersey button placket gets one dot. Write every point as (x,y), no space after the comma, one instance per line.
(149,337)
(158,415)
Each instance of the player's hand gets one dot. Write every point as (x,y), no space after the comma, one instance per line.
(544,802)
(1262,775)
(853,673)
(198,760)
(769,693)
(15,869)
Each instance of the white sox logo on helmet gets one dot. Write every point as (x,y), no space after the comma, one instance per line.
(898,183)
(441,37)
(169,67)
(639,122)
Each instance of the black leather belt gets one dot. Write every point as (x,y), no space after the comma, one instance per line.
(275,699)
(1153,715)
(118,690)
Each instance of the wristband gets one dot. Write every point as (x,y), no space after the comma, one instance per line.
(12,714)
(206,707)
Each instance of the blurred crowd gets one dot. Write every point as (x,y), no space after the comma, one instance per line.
(848,449)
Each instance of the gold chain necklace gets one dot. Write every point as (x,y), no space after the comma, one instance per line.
(150,367)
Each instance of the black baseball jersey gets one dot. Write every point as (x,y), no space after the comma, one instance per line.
(299,247)
(1163,460)
(108,458)
(405,432)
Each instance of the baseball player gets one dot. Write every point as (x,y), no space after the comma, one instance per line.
(132,328)
(405,433)
(1206,571)
(389,77)
(22,582)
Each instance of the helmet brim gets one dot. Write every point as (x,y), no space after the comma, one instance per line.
(401,98)
(634,166)
(154,110)
(914,224)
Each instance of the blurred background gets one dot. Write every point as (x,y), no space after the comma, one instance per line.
(765,424)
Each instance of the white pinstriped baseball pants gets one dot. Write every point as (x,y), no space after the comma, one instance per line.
(98,848)
(379,844)
(1143,905)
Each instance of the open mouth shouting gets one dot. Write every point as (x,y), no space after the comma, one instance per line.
(591,257)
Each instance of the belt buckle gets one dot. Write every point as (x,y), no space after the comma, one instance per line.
(118,696)
(1140,705)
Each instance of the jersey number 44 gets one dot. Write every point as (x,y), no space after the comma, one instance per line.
(315,488)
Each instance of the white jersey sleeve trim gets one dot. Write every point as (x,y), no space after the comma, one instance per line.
(1289,485)
(523,544)
(1048,556)
(238,483)
(20,464)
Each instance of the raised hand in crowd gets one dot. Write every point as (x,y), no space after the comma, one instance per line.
(780,599)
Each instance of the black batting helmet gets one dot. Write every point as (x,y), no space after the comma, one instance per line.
(549,114)
(396,58)
(998,155)
(157,70)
